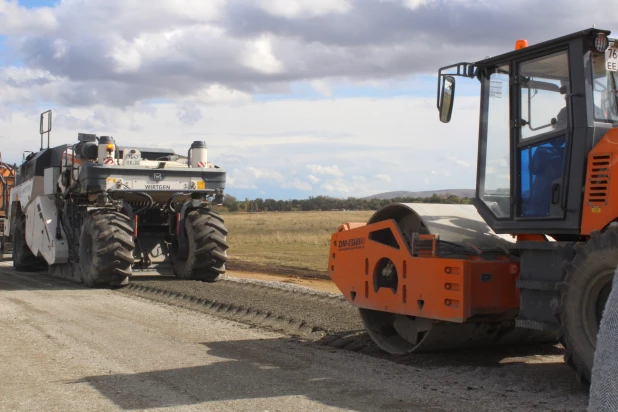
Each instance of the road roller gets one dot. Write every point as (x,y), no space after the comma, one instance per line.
(532,259)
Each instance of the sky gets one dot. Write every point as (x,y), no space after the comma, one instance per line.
(294,98)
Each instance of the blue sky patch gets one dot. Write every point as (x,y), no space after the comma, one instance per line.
(33,4)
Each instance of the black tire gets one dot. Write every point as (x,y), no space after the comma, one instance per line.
(106,249)
(583,296)
(23,258)
(207,242)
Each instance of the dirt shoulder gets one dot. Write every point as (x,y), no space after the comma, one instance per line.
(276,270)
(324,285)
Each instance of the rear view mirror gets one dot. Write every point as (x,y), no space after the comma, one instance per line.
(447,96)
(45,126)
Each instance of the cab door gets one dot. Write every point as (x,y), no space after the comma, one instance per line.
(541,135)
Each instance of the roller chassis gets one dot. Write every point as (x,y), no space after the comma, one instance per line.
(552,194)
(418,291)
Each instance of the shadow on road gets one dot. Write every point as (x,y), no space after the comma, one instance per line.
(491,356)
(256,370)
(11,279)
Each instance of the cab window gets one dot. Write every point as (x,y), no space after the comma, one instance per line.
(604,90)
(544,87)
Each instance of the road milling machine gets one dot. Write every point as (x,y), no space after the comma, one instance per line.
(533,258)
(95,212)
(7,181)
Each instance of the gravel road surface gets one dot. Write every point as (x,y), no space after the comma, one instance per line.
(64,347)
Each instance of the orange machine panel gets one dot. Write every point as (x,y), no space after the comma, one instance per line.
(423,285)
(600,207)
(7,181)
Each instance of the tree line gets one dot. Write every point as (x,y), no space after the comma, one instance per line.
(324,203)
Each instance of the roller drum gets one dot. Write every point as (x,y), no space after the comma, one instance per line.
(461,225)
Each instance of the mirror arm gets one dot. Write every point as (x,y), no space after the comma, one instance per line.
(463,69)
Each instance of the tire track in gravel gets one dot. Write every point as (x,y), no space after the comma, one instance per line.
(314,317)
(290,309)
(321,317)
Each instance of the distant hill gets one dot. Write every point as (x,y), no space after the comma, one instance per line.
(428,193)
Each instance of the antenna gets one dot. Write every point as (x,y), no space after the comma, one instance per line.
(45,128)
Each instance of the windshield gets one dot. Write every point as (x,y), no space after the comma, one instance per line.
(495,178)
(604,86)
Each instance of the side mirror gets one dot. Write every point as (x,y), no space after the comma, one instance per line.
(447,97)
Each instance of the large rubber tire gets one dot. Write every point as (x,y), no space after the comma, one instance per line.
(585,290)
(23,258)
(106,249)
(207,242)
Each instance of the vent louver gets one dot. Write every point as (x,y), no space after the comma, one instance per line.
(598,179)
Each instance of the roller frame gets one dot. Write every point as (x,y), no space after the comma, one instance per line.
(453,290)
(439,303)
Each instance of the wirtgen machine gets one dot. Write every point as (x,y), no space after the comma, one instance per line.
(95,212)
(7,181)
(534,257)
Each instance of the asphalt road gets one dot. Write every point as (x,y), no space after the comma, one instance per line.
(66,348)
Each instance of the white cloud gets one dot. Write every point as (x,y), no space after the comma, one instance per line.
(264,173)
(458,161)
(415,4)
(337,187)
(297,184)
(411,4)
(217,93)
(259,56)
(117,53)
(15,19)
(322,87)
(345,188)
(189,113)
(261,144)
(383,177)
(304,8)
(325,170)
(237,179)
(251,177)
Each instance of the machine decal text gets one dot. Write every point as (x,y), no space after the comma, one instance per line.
(158,187)
(348,244)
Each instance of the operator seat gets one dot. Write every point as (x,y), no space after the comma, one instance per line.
(545,168)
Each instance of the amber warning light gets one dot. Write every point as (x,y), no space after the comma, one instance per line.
(110,147)
(520,44)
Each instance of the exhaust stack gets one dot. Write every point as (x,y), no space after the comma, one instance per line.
(198,154)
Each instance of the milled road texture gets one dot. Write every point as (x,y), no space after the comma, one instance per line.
(66,347)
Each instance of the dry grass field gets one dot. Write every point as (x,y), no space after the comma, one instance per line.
(284,242)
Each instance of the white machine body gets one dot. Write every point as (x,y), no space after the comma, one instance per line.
(45,235)
(42,227)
